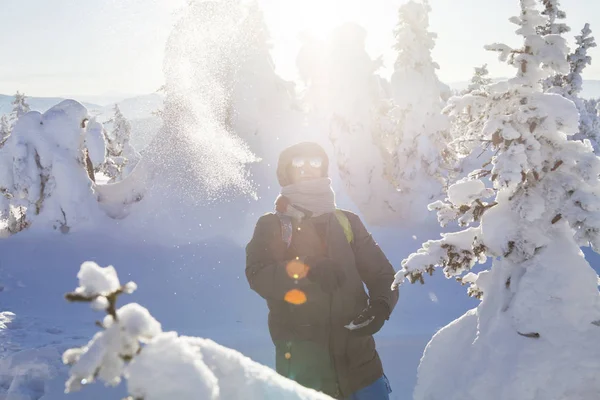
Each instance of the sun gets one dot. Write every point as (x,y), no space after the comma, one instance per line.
(316,17)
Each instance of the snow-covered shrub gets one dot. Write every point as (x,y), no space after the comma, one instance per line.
(535,333)
(49,175)
(159,365)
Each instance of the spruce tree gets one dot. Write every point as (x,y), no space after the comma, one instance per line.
(20,107)
(578,60)
(570,86)
(121,157)
(540,299)
(420,131)
(553,13)
(479,79)
(119,135)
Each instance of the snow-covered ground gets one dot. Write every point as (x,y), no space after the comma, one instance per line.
(192,280)
(198,290)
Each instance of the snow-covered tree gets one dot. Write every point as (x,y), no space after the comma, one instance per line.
(49,170)
(570,86)
(4,130)
(261,101)
(420,133)
(579,59)
(589,124)
(461,166)
(121,157)
(20,107)
(158,365)
(119,135)
(388,139)
(12,218)
(6,184)
(540,299)
(553,13)
(345,95)
(551,28)
(479,79)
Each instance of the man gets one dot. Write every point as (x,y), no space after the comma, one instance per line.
(311,261)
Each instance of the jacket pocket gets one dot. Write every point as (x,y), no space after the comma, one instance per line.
(360,351)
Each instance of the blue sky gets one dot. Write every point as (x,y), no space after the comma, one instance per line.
(87,47)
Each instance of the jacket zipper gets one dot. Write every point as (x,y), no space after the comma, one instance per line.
(338,393)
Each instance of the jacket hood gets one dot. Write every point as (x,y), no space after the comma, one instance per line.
(306,149)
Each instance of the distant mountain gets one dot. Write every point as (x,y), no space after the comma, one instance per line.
(138,107)
(591,87)
(105,99)
(139,110)
(40,104)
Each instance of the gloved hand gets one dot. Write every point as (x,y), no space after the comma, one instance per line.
(326,272)
(370,320)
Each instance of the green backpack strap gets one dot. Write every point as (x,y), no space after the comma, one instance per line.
(345,223)
(286,226)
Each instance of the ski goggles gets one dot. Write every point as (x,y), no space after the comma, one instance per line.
(299,162)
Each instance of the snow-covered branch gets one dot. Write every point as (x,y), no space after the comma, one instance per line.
(456,253)
(160,365)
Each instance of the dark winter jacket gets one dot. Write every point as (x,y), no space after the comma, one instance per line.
(312,345)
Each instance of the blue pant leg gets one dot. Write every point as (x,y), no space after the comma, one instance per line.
(378,390)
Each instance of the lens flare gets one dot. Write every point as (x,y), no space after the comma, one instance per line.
(295,296)
(296,269)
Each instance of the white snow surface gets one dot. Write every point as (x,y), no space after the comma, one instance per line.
(497,362)
(192,368)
